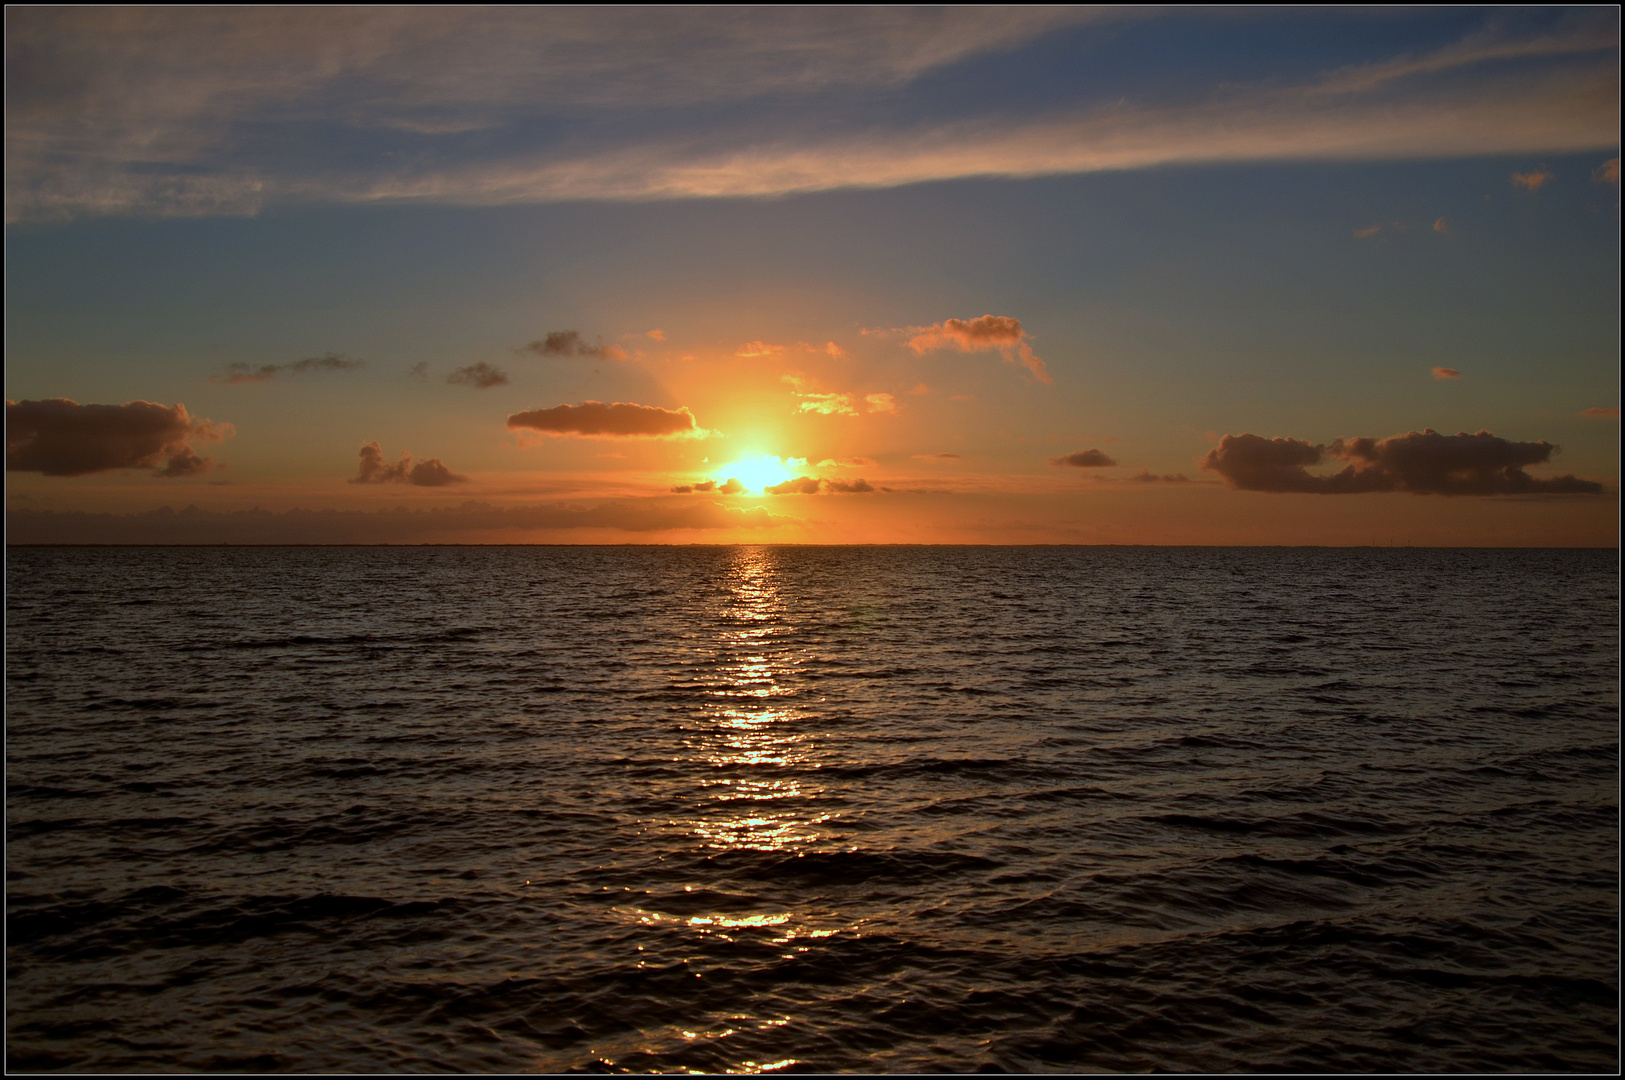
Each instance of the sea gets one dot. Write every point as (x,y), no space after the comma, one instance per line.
(812,809)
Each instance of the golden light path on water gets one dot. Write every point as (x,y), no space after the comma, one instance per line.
(754,801)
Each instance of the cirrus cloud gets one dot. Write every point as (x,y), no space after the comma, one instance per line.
(1421,462)
(60,437)
(620,420)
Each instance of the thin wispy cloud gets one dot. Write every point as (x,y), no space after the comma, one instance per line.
(758,350)
(481,376)
(1444,373)
(238,374)
(159,111)
(565,343)
(399,525)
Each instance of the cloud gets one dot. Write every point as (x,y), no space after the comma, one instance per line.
(1146,476)
(835,352)
(481,376)
(758,350)
(828,404)
(1368,231)
(615,421)
(243,373)
(1446,373)
(1085,459)
(1610,413)
(60,437)
(811,485)
(465,523)
(974,335)
(937,457)
(881,403)
(1574,35)
(1533,181)
(430,473)
(1421,462)
(851,462)
(657,334)
(1606,173)
(570,343)
(419,371)
(1441,226)
(800,485)
(184,462)
(152,110)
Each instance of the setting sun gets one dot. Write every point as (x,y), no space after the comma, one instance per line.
(763,471)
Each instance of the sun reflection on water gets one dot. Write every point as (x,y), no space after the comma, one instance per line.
(757,800)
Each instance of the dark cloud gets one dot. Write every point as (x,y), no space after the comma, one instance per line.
(185,463)
(429,473)
(619,420)
(481,376)
(1085,459)
(466,523)
(571,343)
(244,373)
(1146,476)
(60,437)
(1421,462)
(800,485)
(859,486)
(937,457)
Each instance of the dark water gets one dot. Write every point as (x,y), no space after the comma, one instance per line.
(901,809)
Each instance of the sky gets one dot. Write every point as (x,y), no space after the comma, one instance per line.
(813,275)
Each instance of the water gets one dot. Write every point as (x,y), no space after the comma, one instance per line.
(746,808)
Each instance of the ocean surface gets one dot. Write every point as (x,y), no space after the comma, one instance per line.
(733,809)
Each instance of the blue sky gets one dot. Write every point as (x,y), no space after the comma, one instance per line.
(1280,222)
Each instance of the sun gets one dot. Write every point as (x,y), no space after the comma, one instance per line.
(759,472)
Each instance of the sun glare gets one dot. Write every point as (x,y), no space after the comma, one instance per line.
(760,472)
